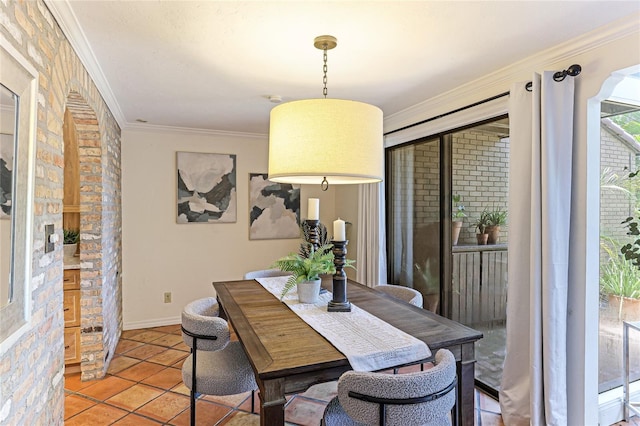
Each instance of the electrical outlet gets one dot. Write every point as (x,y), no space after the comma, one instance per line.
(167,297)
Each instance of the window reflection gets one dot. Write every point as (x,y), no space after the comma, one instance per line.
(8,119)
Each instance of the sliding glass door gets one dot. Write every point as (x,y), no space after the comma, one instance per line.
(461,177)
(413,219)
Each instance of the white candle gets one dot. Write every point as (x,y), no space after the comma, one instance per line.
(313,209)
(339,233)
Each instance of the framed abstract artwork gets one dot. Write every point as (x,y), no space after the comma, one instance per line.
(206,188)
(274,209)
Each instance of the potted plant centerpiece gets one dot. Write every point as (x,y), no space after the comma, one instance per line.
(481,224)
(495,219)
(457,216)
(71,237)
(306,271)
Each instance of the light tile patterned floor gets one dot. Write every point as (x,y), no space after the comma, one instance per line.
(144,386)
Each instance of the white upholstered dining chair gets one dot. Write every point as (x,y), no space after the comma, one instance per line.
(216,366)
(423,398)
(407,294)
(265,273)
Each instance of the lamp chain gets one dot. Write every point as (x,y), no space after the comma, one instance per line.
(324,70)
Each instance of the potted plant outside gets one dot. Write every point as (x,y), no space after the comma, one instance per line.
(480,225)
(620,284)
(495,219)
(71,237)
(428,283)
(457,216)
(306,271)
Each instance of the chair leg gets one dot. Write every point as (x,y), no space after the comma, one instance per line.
(193,408)
(253,394)
(194,352)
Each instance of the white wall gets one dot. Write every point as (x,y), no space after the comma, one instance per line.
(160,255)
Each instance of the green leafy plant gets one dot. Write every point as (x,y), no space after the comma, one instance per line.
(308,268)
(71,236)
(631,250)
(496,217)
(457,210)
(619,276)
(482,222)
(323,238)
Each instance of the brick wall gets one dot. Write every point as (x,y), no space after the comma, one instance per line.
(615,205)
(31,369)
(480,177)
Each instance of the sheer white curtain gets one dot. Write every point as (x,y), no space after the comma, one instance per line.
(371,260)
(534,384)
(402,169)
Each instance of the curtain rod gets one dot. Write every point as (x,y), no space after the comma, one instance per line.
(573,71)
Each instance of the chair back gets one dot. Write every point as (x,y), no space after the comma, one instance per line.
(264,273)
(200,320)
(435,386)
(407,294)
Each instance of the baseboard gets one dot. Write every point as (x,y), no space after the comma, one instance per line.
(611,407)
(134,325)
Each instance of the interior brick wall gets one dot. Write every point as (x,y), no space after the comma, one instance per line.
(32,367)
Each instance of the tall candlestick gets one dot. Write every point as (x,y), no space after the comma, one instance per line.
(339,233)
(339,303)
(313,209)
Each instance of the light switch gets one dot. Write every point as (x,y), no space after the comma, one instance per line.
(49,238)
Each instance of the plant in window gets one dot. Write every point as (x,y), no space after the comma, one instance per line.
(495,219)
(457,215)
(457,210)
(631,250)
(481,224)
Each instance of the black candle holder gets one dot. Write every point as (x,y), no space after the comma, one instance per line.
(339,303)
(314,238)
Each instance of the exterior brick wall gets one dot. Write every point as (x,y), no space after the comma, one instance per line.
(31,369)
(480,177)
(615,205)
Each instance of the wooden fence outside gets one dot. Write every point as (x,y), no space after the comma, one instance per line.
(479,285)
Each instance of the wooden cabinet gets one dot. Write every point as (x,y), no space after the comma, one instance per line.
(71,345)
(71,307)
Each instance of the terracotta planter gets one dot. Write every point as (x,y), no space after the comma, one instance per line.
(494,234)
(308,291)
(456,226)
(626,309)
(482,239)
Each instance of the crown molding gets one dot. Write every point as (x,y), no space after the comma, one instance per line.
(140,127)
(68,22)
(501,80)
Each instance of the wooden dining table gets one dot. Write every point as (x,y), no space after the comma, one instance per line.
(288,356)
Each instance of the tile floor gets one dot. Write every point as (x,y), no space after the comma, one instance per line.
(144,386)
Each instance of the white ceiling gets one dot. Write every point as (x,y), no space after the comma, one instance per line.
(212,64)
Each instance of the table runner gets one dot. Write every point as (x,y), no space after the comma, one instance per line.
(368,342)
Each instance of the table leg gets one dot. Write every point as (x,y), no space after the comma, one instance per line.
(466,385)
(272,402)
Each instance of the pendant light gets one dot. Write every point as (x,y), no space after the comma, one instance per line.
(326,141)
